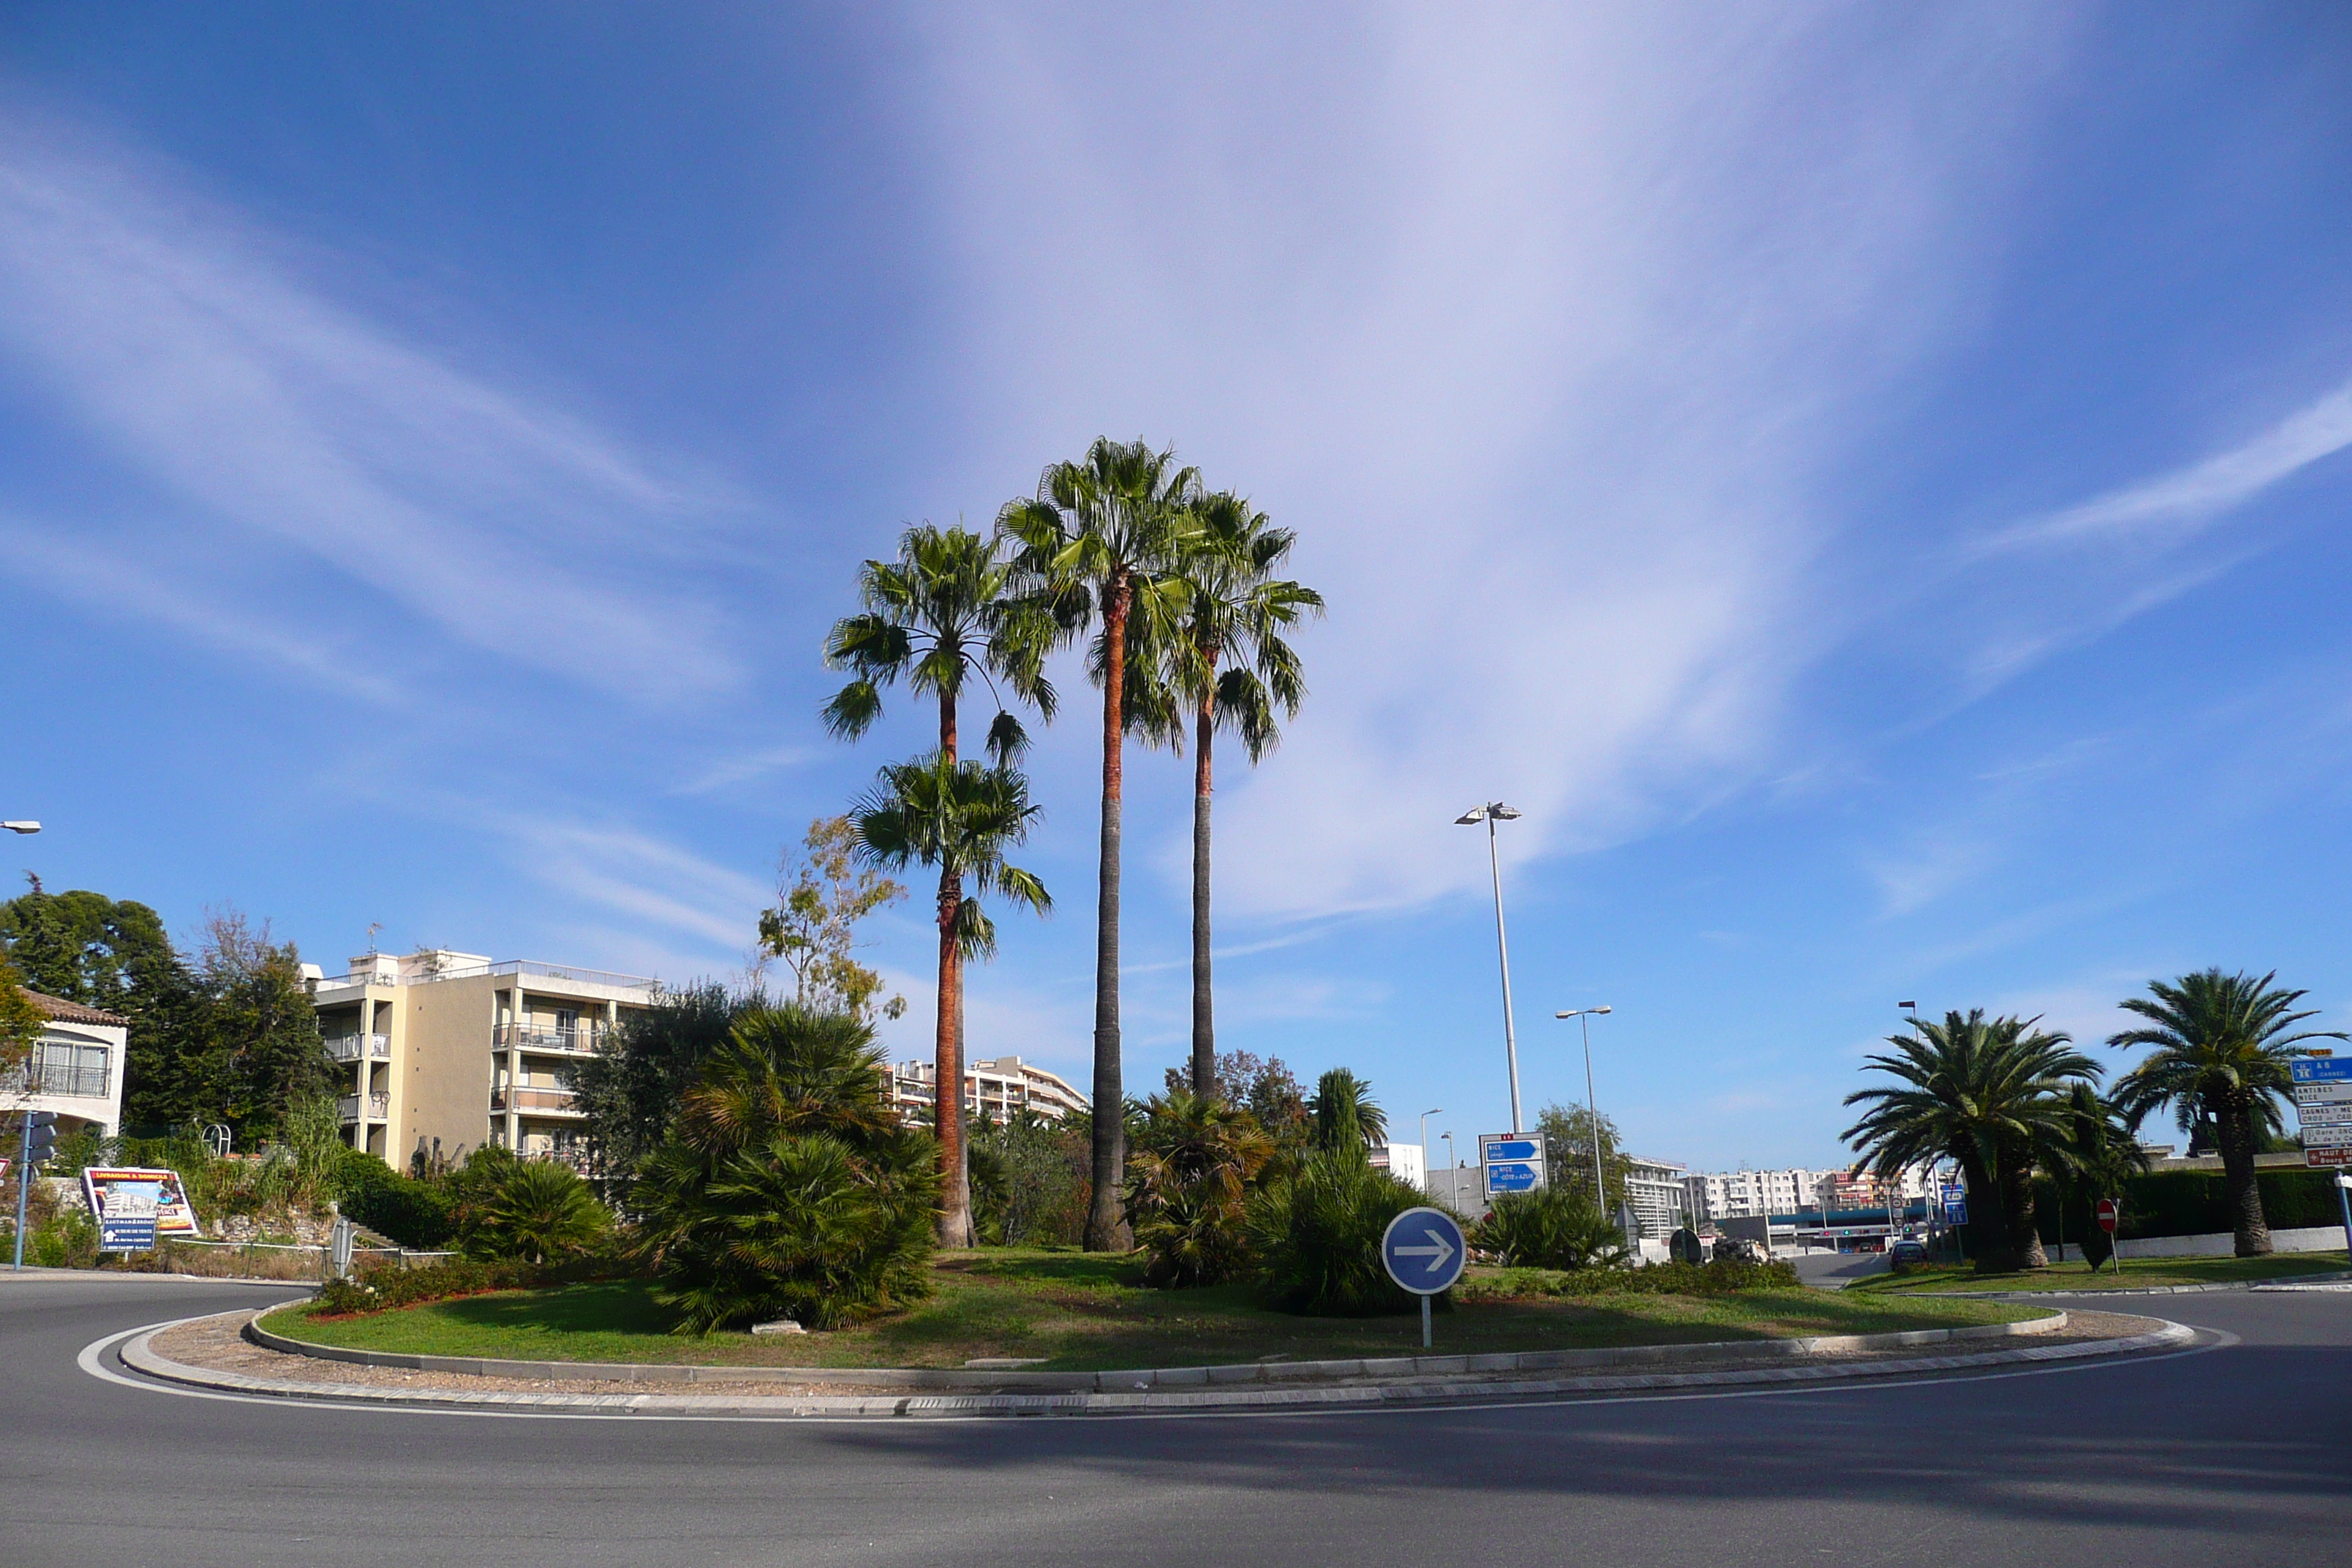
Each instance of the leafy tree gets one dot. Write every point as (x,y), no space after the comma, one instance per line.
(2093,1155)
(630,1091)
(1233,668)
(1028,1179)
(261,1047)
(959,818)
(1346,1117)
(1263,1086)
(21,1023)
(85,947)
(538,1211)
(822,896)
(1567,1132)
(788,1187)
(1988,1092)
(2222,1044)
(1104,540)
(1188,1176)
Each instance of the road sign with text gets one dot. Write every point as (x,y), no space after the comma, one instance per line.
(1513,1163)
(2323,1103)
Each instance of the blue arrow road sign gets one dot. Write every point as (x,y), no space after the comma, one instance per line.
(2321,1069)
(1423,1250)
(1497,1146)
(1514,1177)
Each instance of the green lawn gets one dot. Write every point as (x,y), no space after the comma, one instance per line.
(1081,1312)
(2138,1274)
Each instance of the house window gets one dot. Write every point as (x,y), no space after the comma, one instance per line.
(67,1069)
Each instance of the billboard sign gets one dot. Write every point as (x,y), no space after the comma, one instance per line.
(137,1203)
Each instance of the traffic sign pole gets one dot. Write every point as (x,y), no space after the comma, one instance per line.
(2343,1200)
(24,1174)
(1424,1322)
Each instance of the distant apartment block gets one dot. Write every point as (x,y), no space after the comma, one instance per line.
(1406,1162)
(1732,1194)
(1655,1190)
(75,1069)
(440,1052)
(1004,1088)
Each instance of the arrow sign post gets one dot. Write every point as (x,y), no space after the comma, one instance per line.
(1424,1251)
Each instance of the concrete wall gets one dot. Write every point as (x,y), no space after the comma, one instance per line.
(2221,1244)
(443,1081)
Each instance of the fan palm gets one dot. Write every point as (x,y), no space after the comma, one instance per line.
(1232,665)
(940,615)
(539,1210)
(2223,1046)
(1985,1092)
(1192,1165)
(1103,541)
(959,818)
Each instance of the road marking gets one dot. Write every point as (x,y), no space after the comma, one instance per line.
(92,1361)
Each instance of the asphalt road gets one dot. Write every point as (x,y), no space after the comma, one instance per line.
(2237,1453)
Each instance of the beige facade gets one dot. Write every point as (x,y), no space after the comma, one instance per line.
(75,1069)
(1004,1088)
(442,1051)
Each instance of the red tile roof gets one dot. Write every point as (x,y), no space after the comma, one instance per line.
(66,1012)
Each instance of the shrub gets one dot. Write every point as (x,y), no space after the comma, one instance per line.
(535,1210)
(381,1289)
(1314,1238)
(787,1187)
(1553,1228)
(415,1213)
(1029,1185)
(1186,1184)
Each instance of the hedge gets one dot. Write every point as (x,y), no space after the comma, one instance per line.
(413,1213)
(2196,1203)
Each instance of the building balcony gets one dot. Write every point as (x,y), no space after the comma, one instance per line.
(536,1101)
(51,1078)
(377,1106)
(583,1040)
(359,1048)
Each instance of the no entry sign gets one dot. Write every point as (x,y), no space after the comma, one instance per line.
(2108,1215)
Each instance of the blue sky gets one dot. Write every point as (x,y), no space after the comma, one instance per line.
(1870,486)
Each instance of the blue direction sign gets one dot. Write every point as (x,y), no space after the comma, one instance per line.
(1423,1250)
(1512,1176)
(1956,1205)
(2321,1069)
(1497,1146)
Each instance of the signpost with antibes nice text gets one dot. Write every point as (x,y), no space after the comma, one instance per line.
(2323,1103)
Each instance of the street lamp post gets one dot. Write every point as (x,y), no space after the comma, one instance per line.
(1495,811)
(1424,1142)
(1584,1017)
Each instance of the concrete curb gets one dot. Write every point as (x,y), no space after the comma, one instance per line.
(1144,1379)
(139,1354)
(2290,1282)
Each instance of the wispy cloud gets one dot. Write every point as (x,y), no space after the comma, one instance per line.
(727,773)
(627,871)
(269,418)
(2173,505)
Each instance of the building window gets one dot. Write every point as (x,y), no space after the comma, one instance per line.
(78,1070)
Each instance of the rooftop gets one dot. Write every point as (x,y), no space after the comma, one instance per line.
(66,1012)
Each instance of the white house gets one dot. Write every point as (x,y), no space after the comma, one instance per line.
(75,1069)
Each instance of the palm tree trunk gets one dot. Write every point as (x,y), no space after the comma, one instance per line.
(1204,1028)
(2017,1208)
(1987,1228)
(1106,1228)
(947,1098)
(2235,1130)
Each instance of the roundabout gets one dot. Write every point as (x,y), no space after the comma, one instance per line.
(2167,1455)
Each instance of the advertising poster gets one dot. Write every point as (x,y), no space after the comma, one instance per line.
(133,1204)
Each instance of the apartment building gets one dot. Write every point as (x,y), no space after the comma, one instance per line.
(1655,1191)
(75,1069)
(1733,1195)
(444,1051)
(1003,1088)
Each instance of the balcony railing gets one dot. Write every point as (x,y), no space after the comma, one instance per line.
(81,1082)
(580,1040)
(379,1107)
(351,1048)
(537,1102)
(526,968)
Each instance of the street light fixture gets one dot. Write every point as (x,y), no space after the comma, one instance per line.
(1491,812)
(21,827)
(1424,1133)
(1584,1017)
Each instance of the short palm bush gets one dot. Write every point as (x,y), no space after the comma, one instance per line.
(1314,1238)
(535,1211)
(1553,1228)
(1187,1182)
(788,1189)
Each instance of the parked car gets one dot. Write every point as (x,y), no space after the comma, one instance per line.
(1739,1249)
(1907,1250)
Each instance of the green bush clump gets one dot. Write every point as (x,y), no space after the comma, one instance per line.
(787,1187)
(381,1288)
(1187,1185)
(1314,1238)
(534,1210)
(1551,1228)
(1661,1279)
(415,1213)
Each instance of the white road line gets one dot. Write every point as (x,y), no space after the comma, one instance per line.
(91,1361)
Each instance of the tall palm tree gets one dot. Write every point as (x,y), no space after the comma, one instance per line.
(2223,1043)
(1103,541)
(959,818)
(1233,668)
(1985,1092)
(940,617)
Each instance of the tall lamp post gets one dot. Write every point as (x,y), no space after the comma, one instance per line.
(1424,1142)
(1584,1016)
(1491,812)
(24,1118)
